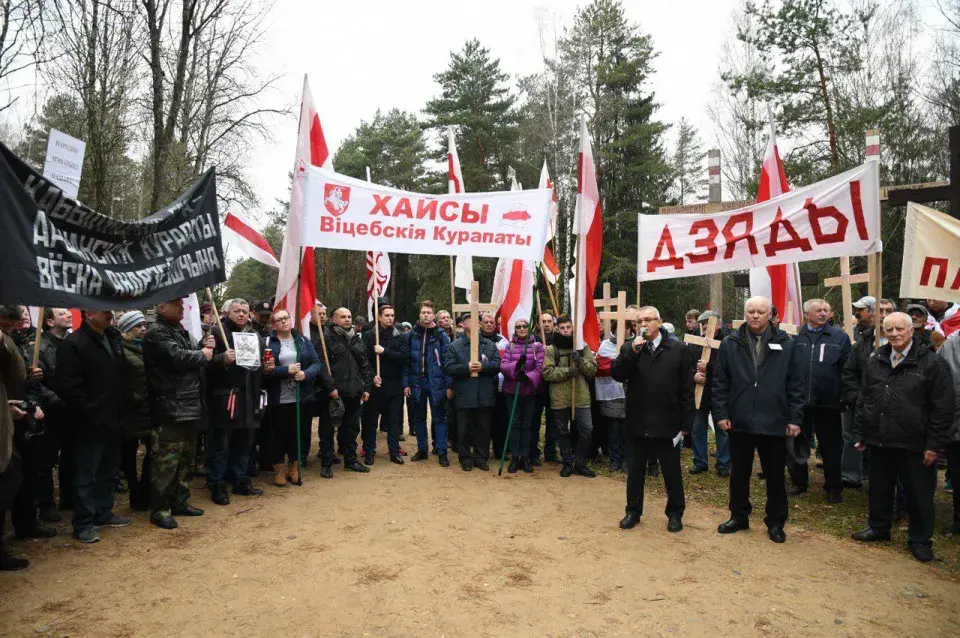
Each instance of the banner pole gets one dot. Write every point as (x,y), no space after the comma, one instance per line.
(453,298)
(216,314)
(39,333)
(576,306)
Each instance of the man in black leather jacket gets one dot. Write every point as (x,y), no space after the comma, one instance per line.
(174,365)
(351,371)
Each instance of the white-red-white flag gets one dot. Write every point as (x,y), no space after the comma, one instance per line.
(311,150)
(513,283)
(588,226)
(237,231)
(549,265)
(463,269)
(378,278)
(192,321)
(781,283)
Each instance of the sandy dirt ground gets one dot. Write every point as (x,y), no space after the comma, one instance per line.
(422,550)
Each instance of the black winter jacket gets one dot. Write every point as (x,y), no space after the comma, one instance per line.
(348,361)
(764,399)
(658,387)
(853,370)
(89,379)
(245,409)
(396,351)
(38,392)
(175,369)
(822,356)
(910,407)
(470,393)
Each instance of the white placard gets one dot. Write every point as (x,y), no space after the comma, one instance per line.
(247,347)
(64,162)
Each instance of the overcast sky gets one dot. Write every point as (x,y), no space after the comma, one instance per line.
(361,56)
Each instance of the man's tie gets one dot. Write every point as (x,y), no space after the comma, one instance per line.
(897,358)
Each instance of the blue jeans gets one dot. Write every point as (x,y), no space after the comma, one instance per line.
(700,428)
(96,461)
(228,449)
(438,417)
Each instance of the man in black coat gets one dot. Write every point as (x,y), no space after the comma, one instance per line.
(658,382)
(822,351)
(351,371)
(386,398)
(758,399)
(89,378)
(235,408)
(174,364)
(904,417)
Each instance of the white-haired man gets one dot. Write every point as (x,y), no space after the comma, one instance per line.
(904,416)
(758,399)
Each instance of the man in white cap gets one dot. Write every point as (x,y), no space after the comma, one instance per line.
(863,311)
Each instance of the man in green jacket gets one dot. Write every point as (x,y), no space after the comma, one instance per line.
(565,369)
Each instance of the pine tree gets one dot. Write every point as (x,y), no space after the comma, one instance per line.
(688,166)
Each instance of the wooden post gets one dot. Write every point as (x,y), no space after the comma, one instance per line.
(39,333)
(606,305)
(709,345)
(453,290)
(475,308)
(875,261)
(216,313)
(620,315)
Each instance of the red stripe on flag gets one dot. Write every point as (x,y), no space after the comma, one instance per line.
(76,318)
(550,262)
(308,282)
(452,174)
(512,300)
(593,253)
(580,176)
(318,143)
(248,233)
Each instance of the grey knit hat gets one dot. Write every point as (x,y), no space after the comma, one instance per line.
(130,320)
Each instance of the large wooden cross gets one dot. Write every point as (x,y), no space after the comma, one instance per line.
(709,345)
(844,281)
(620,315)
(475,308)
(607,305)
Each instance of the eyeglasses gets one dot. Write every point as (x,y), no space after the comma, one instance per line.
(522,326)
(280,319)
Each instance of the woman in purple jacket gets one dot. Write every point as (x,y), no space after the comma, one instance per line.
(521,365)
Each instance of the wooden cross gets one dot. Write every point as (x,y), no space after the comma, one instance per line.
(475,308)
(789,328)
(607,305)
(709,345)
(844,281)
(621,315)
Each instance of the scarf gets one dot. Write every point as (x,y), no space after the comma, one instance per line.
(562,342)
(348,334)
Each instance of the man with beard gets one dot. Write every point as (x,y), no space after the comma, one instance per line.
(658,382)
(905,416)
(425,381)
(386,398)
(351,371)
(88,378)
(235,408)
(758,399)
(501,414)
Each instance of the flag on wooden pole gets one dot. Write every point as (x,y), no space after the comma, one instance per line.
(588,225)
(311,151)
(513,284)
(463,269)
(780,283)
(549,264)
(237,231)
(378,278)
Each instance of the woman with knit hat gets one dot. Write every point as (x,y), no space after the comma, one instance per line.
(137,426)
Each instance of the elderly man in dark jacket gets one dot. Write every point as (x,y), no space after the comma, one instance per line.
(658,381)
(474,397)
(758,399)
(904,417)
(236,406)
(351,371)
(386,398)
(89,378)
(174,363)
(822,351)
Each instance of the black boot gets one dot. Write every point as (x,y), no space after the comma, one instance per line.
(218,494)
(566,470)
(514,465)
(10,563)
(246,488)
(527,465)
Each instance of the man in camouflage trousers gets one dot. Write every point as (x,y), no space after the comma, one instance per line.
(174,363)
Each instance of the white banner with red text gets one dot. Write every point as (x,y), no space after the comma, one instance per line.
(931,255)
(837,217)
(342,212)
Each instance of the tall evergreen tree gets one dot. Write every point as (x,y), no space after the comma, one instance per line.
(688,166)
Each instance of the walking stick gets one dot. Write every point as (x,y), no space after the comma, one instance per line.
(516,397)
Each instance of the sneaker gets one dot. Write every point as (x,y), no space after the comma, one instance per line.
(466,464)
(326,472)
(697,469)
(420,456)
(923,553)
(444,461)
(88,535)
(246,488)
(116,521)
(368,459)
(566,470)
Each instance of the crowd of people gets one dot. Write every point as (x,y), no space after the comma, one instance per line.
(883,408)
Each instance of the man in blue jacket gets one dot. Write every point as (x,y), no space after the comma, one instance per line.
(424,379)
(758,399)
(821,350)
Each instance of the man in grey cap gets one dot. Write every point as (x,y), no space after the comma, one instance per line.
(918,317)
(863,311)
